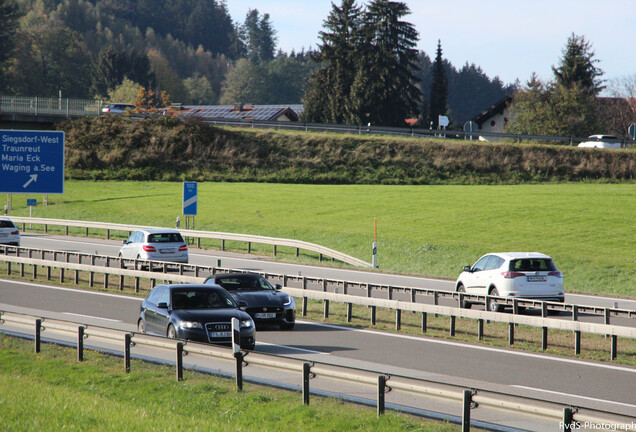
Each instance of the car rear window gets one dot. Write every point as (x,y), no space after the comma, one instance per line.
(6,224)
(532,264)
(165,238)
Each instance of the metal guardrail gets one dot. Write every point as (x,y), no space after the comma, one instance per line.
(249,239)
(469,398)
(577,327)
(39,106)
(324,284)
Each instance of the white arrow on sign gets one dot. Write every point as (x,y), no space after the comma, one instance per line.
(33,178)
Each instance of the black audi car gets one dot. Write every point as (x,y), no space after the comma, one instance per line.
(197,312)
(265,303)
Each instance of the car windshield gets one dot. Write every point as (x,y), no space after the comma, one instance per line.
(202,299)
(242,283)
(532,264)
(165,238)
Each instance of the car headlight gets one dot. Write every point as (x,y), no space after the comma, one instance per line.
(191,324)
(247,323)
(287,301)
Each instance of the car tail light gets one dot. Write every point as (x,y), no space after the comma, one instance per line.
(556,274)
(106,109)
(512,275)
(149,248)
(183,248)
(16,232)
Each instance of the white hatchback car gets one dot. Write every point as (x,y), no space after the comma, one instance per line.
(156,244)
(9,233)
(529,275)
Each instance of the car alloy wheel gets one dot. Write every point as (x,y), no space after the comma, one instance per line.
(492,304)
(141,326)
(172,334)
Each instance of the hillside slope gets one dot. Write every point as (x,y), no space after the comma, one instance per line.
(168,149)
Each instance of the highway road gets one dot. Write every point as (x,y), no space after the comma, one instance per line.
(576,382)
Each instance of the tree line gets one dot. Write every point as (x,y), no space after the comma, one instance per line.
(366,68)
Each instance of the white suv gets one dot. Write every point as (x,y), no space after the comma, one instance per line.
(529,275)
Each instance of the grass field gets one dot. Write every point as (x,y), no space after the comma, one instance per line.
(426,230)
(51,391)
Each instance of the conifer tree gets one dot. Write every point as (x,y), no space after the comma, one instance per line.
(578,66)
(439,88)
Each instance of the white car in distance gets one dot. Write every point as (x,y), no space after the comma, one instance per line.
(9,233)
(155,244)
(601,141)
(526,275)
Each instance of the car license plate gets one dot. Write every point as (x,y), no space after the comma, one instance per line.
(221,335)
(265,315)
(166,251)
(537,278)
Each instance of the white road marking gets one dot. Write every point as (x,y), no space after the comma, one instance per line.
(91,316)
(573,395)
(477,347)
(138,299)
(291,347)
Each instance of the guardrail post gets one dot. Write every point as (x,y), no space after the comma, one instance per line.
(35,272)
(515,306)
(9,268)
(80,343)
(452,325)
(324,285)
(105,280)
(568,419)
(544,309)
(389,290)
(121,282)
(373,315)
(76,278)
(326,308)
(480,329)
(249,247)
(304,308)
(306,376)
(38,329)
(613,353)
(606,314)
(577,342)
(61,275)
(424,319)
(436,300)
(575,313)
(179,361)
(48,273)
(127,343)
(381,391)
(349,311)
(398,319)
(21,270)
(239,370)
(511,334)
(136,284)
(467,402)
(544,338)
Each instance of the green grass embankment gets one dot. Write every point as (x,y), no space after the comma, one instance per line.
(114,148)
(51,391)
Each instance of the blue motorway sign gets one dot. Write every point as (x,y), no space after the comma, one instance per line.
(190,198)
(31,162)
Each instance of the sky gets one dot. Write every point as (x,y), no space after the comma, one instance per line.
(510,39)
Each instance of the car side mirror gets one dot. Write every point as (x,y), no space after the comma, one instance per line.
(162,305)
(278,287)
(242,304)
(467,269)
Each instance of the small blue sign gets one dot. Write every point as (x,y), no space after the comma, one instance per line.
(31,162)
(32,202)
(190,198)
